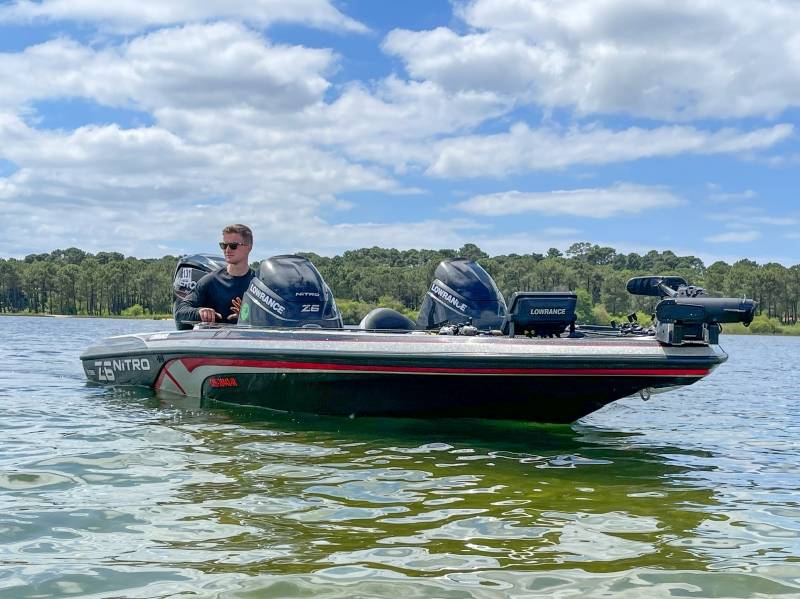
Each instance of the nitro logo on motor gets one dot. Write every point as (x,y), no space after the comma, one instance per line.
(107,369)
(266,299)
(549,311)
(448,297)
(185,280)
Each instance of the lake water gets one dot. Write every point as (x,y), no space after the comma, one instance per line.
(115,493)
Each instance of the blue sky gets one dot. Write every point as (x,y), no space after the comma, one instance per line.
(144,127)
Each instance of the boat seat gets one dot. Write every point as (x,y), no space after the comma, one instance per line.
(386,319)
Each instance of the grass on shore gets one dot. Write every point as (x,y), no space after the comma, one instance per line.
(762,325)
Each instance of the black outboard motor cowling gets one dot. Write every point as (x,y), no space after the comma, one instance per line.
(288,291)
(188,271)
(191,269)
(462,292)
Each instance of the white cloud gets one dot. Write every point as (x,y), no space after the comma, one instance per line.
(221,65)
(136,187)
(241,128)
(523,149)
(210,84)
(109,163)
(735,237)
(393,123)
(777,221)
(474,62)
(272,134)
(152,227)
(720,197)
(746,216)
(397,121)
(678,60)
(131,15)
(220,82)
(623,198)
(438,233)
(560,232)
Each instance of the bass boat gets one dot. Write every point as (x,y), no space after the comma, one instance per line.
(469,354)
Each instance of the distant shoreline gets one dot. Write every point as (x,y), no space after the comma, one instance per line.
(112,317)
(111,284)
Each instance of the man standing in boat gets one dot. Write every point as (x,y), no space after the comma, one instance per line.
(218,295)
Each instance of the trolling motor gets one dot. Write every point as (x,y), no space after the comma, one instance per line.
(687,314)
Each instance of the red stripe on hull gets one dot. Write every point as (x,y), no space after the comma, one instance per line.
(192,363)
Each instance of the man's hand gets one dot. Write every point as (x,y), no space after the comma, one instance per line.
(236,306)
(209,315)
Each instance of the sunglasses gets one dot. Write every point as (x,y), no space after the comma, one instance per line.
(234,245)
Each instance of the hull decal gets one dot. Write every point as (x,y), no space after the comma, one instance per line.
(172,378)
(166,374)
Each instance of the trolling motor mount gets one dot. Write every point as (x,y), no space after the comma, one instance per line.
(688,314)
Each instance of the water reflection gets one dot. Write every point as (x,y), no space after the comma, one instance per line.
(117,492)
(422,498)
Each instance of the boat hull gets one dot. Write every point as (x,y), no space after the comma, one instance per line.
(551,398)
(411,375)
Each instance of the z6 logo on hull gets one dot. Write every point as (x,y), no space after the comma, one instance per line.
(107,369)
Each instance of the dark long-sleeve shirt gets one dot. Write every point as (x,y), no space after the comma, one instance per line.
(215,290)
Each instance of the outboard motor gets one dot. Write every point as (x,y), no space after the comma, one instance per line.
(687,314)
(288,291)
(188,271)
(462,293)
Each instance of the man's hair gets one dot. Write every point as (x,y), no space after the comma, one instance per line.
(243,230)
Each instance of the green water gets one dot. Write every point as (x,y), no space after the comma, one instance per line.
(117,493)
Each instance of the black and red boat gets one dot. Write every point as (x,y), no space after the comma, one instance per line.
(467,355)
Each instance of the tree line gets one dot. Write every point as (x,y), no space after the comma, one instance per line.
(75,282)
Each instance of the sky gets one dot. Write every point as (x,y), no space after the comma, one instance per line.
(144,126)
